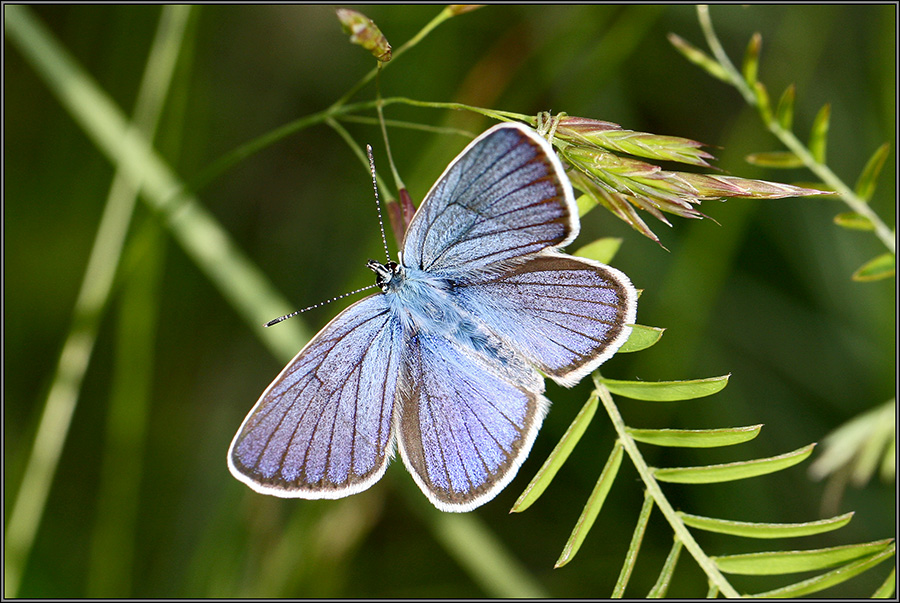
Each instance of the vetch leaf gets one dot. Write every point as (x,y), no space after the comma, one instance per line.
(853,221)
(593,506)
(765,530)
(665,575)
(784,112)
(865,186)
(602,250)
(695,438)
(708,474)
(886,590)
(641,338)
(876,268)
(637,538)
(751,59)
(762,101)
(699,58)
(775,159)
(790,562)
(819,134)
(558,456)
(666,391)
(835,576)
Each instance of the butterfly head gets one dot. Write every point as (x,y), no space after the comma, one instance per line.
(387,276)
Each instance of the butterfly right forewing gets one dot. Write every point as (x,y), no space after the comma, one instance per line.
(505,197)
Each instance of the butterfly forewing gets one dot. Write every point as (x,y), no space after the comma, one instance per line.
(323,428)
(504,197)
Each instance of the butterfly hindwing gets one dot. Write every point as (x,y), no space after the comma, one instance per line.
(323,428)
(463,430)
(565,315)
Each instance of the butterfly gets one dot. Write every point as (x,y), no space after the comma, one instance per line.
(446,362)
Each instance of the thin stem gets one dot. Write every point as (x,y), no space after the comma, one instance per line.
(442,16)
(681,532)
(790,140)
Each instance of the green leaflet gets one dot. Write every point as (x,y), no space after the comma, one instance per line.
(818,135)
(751,59)
(853,221)
(765,530)
(699,58)
(592,506)
(665,575)
(876,269)
(835,576)
(557,457)
(695,438)
(602,250)
(865,186)
(775,159)
(789,562)
(641,338)
(709,474)
(666,391)
(784,112)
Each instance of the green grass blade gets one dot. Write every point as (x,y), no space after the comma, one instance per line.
(709,474)
(641,338)
(593,506)
(789,562)
(118,497)
(865,186)
(558,456)
(835,576)
(661,587)
(876,269)
(64,77)
(766,530)
(666,391)
(695,438)
(602,250)
(634,547)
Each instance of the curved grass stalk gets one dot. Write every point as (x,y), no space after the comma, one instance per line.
(789,139)
(96,286)
(708,566)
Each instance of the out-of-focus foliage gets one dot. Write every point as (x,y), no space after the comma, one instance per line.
(764,295)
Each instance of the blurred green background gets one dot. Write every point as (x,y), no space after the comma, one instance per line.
(142,503)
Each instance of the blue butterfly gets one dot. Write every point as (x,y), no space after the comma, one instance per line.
(446,361)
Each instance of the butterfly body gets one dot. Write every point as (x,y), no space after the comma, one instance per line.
(445,363)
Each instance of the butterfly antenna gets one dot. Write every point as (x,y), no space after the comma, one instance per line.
(387,253)
(275,321)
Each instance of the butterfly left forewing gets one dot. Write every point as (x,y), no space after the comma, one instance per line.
(463,428)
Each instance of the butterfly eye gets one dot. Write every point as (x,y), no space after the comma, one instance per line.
(384,274)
